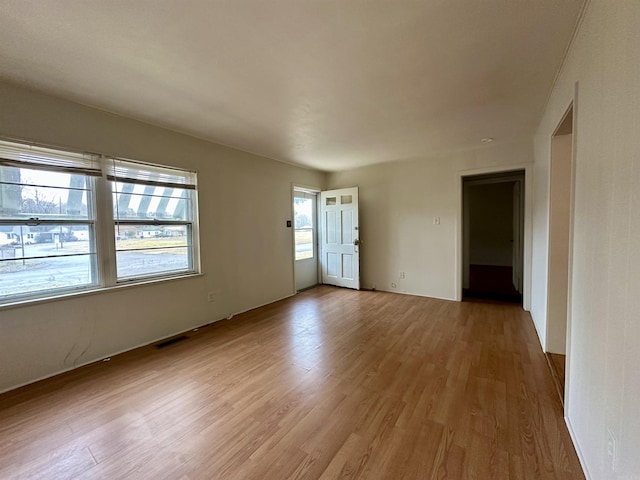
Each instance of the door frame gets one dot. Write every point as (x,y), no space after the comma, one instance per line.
(572,208)
(571,104)
(515,176)
(528,211)
(316,191)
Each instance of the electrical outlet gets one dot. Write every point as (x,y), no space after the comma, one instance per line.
(611,450)
(211,297)
(402,275)
(393,285)
(436,220)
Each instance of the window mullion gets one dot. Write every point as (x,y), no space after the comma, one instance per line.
(105,240)
(194,232)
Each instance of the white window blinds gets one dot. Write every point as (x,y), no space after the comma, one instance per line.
(29,156)
(127,171)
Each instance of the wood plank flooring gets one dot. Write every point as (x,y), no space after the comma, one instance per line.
(330,384)
(556,363)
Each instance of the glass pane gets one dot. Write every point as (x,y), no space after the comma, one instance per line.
(145,237)
(48,240)
(331,200)
(303,224)
(26,193)
(303,212)
(144,250)
(346,199)
(140,263)
(131,200)
(304,243)
(22,277)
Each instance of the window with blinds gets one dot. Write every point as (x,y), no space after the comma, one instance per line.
(153,212)
(54,207)
(47,220)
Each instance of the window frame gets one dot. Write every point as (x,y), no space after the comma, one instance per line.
(101,226)
(120,171)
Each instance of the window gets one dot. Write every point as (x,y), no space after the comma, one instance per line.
(46,200)
(52,215)
(303,209)
(153,219)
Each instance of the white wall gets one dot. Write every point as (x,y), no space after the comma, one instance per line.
(603,376)
(398,201)
(247,251)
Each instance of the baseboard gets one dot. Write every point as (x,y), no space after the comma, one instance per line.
(449,299)
(574,440)
(261,305)
(101,359)
(308,288)
(128,349)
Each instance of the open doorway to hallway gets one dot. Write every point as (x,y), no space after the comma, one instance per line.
(561,180)
(493,236)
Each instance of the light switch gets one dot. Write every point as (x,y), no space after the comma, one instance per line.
(436,220)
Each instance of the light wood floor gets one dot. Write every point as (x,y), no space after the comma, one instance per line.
(556,363)
(329,384)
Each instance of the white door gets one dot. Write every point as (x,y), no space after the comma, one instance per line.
(339,246)
(304,230)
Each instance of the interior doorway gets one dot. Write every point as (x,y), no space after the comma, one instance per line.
(305,231)
(493,236)
(560,191)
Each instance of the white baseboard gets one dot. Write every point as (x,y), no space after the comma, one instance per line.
(572,434)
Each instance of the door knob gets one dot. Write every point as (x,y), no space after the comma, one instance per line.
(356,242)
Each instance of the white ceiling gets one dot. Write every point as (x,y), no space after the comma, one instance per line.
(330,84)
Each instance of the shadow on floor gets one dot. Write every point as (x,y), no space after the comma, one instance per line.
(490,282)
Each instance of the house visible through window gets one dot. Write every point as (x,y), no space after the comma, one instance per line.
(153,217)
(46,201)
(50,223)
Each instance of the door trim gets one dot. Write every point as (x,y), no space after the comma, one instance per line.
(308,189)
(572,103)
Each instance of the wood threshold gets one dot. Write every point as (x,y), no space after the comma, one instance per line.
(330,383)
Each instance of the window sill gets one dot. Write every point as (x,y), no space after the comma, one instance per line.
(93,291)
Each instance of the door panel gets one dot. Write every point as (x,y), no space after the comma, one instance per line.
(347,266)
(339,257)
(348,234)
(332,265)
(331,229)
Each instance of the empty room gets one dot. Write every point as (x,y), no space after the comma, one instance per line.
(319,239)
